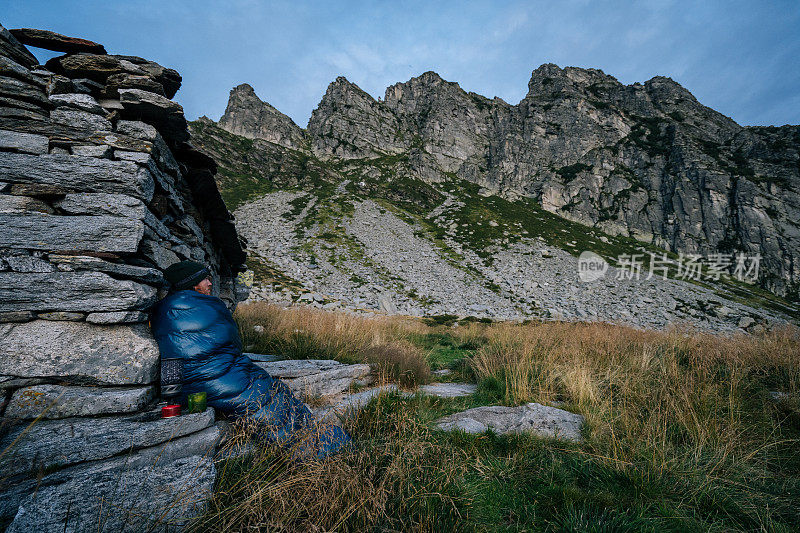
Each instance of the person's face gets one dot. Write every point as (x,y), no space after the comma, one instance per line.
(204,287)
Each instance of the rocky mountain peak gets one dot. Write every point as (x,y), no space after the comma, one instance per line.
(428,86)
(549,79)
(666,89)
(343,90)
(249,116)
(346,109)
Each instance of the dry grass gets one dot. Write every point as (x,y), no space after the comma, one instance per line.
(304,333)
(673,399)
(681,432)
(388,478)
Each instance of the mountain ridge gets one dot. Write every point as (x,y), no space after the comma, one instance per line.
(643,160)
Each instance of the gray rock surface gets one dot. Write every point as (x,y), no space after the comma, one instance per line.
(82,102)
(69,263)
(381,254)
(22,204)
(315,377)
(78,174)
(17,316)
(26,143)
(248,116)
(13,49)
(55,41)
(124,355)
(101,233)
(163,498)
(100,67)
(27,263)
(72,291)
(202,443)
(449,390)
(161,112)
(645,160)
(61,315)
(534,418)
(93,150)
(49,443)
(117,317)
(80,119)
(58,401)
(349,404)
(84,210)
(102,203)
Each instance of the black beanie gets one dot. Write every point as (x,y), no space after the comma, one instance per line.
(186,274)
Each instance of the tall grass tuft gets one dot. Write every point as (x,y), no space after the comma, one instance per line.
(304,333)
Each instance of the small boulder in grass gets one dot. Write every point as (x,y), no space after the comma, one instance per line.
(534,418)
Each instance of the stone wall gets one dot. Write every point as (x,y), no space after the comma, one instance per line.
(99,192)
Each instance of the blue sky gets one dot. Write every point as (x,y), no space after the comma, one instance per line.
(738,57)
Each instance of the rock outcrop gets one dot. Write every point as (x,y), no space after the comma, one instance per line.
(248,116)
(99,192)
(643,160)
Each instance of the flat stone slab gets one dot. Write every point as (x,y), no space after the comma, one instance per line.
(78,174)
(262,358)
(72,291)
(296,368)
(57,401)
(203,443)
(83,102)
(27,143)
(22,204)
(101,233)
(350,403)
(80,119)
(163,498)
(57,42)
(449,390)
(69,263)
(96,203)
(117,317)
(118,355)
(540,420)
(315,377)
(50,443)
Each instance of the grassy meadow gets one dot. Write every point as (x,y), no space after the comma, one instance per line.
(682,433)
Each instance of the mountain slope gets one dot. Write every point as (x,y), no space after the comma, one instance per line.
(363,233)
(643,160)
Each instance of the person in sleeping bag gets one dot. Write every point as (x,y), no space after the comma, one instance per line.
(201,351)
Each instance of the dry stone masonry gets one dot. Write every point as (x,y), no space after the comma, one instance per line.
(99,192)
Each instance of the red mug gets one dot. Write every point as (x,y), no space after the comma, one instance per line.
(169,411)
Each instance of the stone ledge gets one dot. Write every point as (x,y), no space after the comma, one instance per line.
(119,355)
(163,498)
(58,401)
(51,443)
(72,291)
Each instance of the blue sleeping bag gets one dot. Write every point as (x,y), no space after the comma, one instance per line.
(200,331)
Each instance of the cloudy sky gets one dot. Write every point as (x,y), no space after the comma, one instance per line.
(738,57)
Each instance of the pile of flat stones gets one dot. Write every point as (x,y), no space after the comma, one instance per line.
(100,191)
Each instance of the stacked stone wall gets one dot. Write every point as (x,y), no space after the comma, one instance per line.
(100,191)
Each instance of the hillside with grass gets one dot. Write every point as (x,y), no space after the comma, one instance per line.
(370,234)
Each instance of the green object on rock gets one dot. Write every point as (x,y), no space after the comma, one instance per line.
(197,402)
